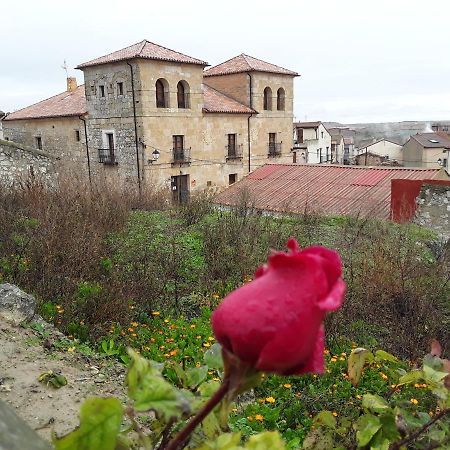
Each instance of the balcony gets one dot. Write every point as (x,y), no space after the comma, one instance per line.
(106,156)
(181,156)
(233,152)
(274,149)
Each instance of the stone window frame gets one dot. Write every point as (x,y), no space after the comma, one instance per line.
(164,101)
(267,100)
(281,99)
(183,97)
(102,91)
(77,135)
(120,92)
(38,142)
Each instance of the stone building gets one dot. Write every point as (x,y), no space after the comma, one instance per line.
(55,125)
(155,116)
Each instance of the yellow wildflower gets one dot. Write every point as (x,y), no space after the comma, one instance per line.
(270,400)
(71,349)
(259,417)
(287,385)
(334,413)
(156,313)
(414,401)
(134,324)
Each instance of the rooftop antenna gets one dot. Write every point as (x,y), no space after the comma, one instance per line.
(64,66)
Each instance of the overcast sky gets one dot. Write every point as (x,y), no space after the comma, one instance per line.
(359,60)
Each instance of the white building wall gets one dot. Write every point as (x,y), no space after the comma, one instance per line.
(385,148)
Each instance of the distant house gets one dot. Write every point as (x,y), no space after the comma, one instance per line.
(337,148)
(387,151)
(324,189)
(369,159)
(312,143)
(349,149)
(429,150)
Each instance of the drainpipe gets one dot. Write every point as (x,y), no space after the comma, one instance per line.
(87,148)
(135,129)
(248,123)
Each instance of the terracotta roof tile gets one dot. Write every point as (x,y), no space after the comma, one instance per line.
(145,50)
(62,105)
(245,63)
(216,102)
(327,189)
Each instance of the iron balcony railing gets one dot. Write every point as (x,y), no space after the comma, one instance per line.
(233,151)
(181,155)
(274,149)
(107,156)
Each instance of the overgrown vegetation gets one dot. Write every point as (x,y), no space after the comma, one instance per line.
(116,270)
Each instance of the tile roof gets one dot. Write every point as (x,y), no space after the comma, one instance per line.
(246,63)
(65,104)
(145,50)
(424,139)
(306,124)
(327,189)
(216,102)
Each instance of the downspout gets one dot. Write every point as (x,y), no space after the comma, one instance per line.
(248,123)
(135,129)
(87,148)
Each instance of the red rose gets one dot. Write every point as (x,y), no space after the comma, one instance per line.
(274,323)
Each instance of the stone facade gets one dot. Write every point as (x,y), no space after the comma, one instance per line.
(61,137)
(18,163)
(205,134)
(433,209)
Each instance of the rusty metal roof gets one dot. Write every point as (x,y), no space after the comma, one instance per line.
(325,189)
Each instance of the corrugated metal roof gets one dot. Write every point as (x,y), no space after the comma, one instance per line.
(325,189)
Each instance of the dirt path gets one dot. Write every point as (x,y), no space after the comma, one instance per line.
(24,356)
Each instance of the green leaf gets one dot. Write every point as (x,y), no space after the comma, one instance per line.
(210,426)
(318,440)
(100,420)
(226,441)
(196,375)
(375,403)
(432,375)
(379,442)
(410,377)
(366,428)
(150,391)
(325,418)
(213,357)
(355,364)
(381,355)
(209,388)
(268,440)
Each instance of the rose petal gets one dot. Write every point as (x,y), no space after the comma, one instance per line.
(334,299)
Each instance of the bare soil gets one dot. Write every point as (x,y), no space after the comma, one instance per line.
(25,354)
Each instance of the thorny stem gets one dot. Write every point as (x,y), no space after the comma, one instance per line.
(178,441)
(412,436)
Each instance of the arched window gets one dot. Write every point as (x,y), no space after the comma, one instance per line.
(268,99)
(280,99)
(162,93)
(183,94)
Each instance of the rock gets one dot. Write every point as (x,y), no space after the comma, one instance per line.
(16,307)
(16,434)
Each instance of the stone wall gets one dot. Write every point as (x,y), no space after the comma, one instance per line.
(18,163)
(433,209)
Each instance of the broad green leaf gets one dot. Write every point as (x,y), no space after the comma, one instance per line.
(226,441)
(195,376)
(150,391)
(379,442)
(318,440)
(375,403)
(381,355)
(389,427)
(325,418)
(100,420)
(208,388)
(213,357)
(432,375)
(268,440)
(355,364)
(210,426)
(366,428)
(411,377)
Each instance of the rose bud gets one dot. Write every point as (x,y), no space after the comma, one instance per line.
(274,323)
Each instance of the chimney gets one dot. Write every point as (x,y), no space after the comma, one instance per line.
(71,84)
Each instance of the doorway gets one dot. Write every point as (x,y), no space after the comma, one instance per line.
(180,188)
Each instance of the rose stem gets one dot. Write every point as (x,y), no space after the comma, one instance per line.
(185,432)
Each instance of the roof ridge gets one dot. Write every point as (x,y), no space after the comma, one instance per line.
(43,100)
(172,50)
(224,62)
